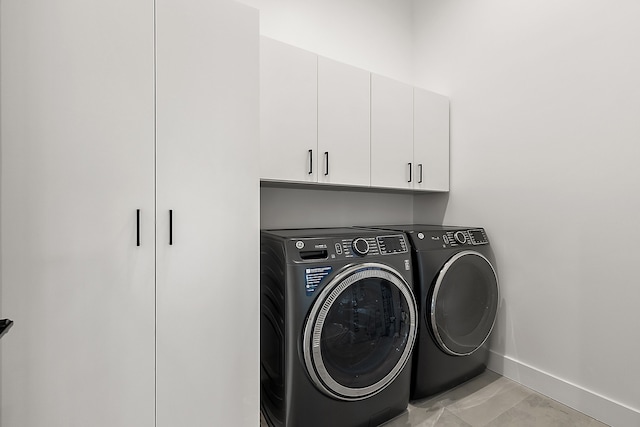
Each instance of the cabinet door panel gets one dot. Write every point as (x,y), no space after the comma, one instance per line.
(431,140)
(343,123)
(391,133)
(288,112)
(207,173)
(77,162)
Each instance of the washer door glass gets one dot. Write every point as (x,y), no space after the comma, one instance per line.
(464,303)
(360,332)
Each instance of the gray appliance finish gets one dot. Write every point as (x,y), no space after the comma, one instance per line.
(338,324)
(456,287)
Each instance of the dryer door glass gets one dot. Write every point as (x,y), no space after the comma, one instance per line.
(360,332)
(464,303)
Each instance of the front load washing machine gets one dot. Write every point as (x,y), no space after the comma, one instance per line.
(456,287)
(338,325)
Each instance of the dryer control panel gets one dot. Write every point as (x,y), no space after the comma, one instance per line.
(319,248)
(454,238)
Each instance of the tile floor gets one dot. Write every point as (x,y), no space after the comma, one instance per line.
(489,400)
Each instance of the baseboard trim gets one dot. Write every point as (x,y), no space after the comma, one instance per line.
(588,402)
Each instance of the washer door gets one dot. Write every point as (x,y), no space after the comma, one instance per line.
(360,331)
(464,303)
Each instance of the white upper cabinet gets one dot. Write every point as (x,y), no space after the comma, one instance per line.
(431,140)
(391,133)
(409,137)
(343,123)
(327,122)
(314,116)
(288,113)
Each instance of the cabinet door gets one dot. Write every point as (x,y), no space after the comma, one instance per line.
(77,163)
(288,112)
(207,174)
(431,140)
(391,133)
(343,123)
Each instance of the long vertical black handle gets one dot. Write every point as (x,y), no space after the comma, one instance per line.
(310,162)
(326,163)
(171,226)
(420,175)
(410,173)
(137,227)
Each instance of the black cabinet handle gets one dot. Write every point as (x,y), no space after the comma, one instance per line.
(420,175)
(326,163)
(5,325)
(137,227)
(310,162)
(171,226)
(410,173)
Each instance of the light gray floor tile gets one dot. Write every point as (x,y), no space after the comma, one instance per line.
(489,400)
(540,411)
(481,400)
(421,417)
(461,392)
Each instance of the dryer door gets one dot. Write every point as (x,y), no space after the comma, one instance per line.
(360,331)
(464,303)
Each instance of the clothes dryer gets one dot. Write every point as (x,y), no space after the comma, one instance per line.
(338,325)
(456,286)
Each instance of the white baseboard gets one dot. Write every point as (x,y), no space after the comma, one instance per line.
(596,406)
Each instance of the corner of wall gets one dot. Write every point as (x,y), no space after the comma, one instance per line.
(429,208)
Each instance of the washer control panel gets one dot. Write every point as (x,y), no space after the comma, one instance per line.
(314,249)
(465,237)
(450,238)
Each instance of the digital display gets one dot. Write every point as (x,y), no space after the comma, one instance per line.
(477,237)
(392,244)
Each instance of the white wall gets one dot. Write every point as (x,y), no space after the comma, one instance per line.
(299,208)
(545,136)
(545,151)
(371,34)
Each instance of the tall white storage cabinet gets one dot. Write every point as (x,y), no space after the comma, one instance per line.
(112,116)
(208,278)
(77,141)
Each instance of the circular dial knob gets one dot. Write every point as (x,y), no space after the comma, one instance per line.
(360,246)
(460,237)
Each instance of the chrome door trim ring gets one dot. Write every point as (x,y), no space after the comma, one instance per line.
(313,329)
(436,290)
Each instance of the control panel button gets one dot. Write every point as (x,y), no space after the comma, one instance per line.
(338,248)
(460,237)
(421,236)
(360,246)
